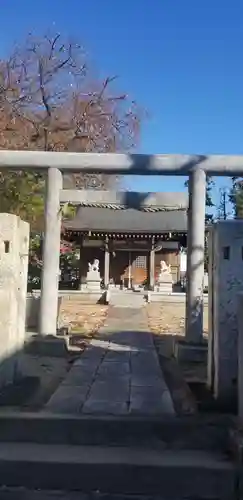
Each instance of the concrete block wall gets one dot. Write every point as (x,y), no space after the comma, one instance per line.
(14,247)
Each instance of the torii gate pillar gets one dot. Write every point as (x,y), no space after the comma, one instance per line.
(193,347)
(51,254)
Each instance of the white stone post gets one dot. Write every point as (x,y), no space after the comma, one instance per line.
(24,233)
(107,264)
(195,256)
(129,271)
(80,262)
(152,255)
(51,254)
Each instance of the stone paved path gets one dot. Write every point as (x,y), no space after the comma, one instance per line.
(22,494)
(118,374)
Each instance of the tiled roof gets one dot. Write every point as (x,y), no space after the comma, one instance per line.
(129,220)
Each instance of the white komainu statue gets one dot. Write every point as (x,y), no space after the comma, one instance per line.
(164,268)
(94,266)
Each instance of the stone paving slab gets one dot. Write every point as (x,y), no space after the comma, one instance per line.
(80,377)
(106,407)
(68,399)
(145,393)
(143,380)
(117,390)
(87,363)
(118,374)
(142,405)
(148,358)
(115,369)
(23,494)
(117,357)
(93,353)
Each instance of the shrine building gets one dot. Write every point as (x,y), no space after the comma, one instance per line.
(129,233)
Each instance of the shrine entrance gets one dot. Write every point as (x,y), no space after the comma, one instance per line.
(129,268)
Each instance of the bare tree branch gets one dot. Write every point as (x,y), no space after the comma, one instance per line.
(49,101)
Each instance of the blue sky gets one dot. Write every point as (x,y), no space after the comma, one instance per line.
(181,59)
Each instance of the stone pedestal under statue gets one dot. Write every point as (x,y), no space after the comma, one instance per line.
(164,282)
(93,278)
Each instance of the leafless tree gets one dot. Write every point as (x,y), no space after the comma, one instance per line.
(49,100)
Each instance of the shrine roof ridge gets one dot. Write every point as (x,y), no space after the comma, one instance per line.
(122,200)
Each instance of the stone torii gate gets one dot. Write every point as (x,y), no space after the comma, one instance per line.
(195,166)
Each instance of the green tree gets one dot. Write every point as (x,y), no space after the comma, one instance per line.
(209,201)
(236,196)
(22,193)
(223,209)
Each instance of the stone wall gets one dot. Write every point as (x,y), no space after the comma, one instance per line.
(225,281)
(14,249)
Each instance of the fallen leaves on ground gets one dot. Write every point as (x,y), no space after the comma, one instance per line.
(83,319)
(170,318)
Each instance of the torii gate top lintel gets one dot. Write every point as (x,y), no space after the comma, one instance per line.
(126,164)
